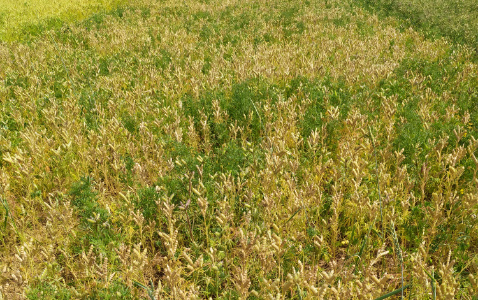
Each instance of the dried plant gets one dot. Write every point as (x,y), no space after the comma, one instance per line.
(235,150)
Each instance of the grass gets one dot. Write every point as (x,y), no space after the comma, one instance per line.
(19,18)
(237,150)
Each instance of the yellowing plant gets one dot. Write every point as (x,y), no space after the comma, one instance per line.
(14,15)
(253,149)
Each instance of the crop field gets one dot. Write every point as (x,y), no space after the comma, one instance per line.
(226,149)
(18,18)
(456,19)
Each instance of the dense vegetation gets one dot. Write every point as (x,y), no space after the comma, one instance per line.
(21,18)
(238,149)
(455,19)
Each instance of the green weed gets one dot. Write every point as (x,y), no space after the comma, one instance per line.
(48,291)
(95,220)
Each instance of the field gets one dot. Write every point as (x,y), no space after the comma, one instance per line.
(456,19)
(207,149)
(18,18)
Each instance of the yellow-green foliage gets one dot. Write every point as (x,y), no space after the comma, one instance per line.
(240,149)
(15,15)
(456,19)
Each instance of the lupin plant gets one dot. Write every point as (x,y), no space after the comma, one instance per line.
(252,149)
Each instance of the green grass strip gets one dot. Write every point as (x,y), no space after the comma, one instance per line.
(5,205)
(293,215)
(394,292)
(434,290)
(149,290)
(7,215)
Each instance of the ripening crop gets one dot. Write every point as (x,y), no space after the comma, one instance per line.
(253,149)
